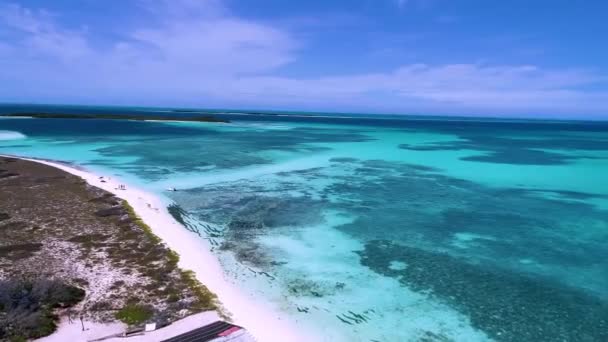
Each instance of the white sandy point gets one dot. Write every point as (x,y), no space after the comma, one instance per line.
(264,322)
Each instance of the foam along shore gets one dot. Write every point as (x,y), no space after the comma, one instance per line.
(263,321)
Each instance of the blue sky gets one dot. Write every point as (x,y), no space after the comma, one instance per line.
(465,57)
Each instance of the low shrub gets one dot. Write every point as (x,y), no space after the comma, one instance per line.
(173,258)
(19,251)
(137,220)
(133,314)
(26,307)
(206,300)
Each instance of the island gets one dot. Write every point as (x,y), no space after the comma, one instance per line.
(188,118)
(72,251)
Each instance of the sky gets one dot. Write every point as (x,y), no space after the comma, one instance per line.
(541,58)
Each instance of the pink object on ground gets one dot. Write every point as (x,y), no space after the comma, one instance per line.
(229,331)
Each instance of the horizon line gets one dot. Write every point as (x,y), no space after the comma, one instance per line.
(326,112)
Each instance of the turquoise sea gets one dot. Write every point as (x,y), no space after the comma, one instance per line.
(376,228)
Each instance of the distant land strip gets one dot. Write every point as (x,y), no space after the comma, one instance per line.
(117,117)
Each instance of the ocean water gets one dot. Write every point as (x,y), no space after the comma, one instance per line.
(380,228)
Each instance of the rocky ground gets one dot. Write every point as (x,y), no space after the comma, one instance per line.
(54,226)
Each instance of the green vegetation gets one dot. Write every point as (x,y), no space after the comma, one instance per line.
(118,117)
(173,258)
(26,307)
(138,221)
(133,314)
(207,300)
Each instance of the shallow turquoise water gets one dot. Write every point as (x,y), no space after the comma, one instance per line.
(372,232)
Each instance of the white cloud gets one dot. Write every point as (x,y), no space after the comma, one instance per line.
(183,46)
(224,45)
(197,53)
(21,18)
(41,36)
(454,86)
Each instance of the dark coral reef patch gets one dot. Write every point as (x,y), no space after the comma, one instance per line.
(505,305)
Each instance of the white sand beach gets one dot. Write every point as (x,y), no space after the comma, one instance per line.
(259,318)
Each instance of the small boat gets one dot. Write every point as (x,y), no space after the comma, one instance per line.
(171,189)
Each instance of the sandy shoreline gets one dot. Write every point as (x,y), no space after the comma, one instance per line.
(258,317)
